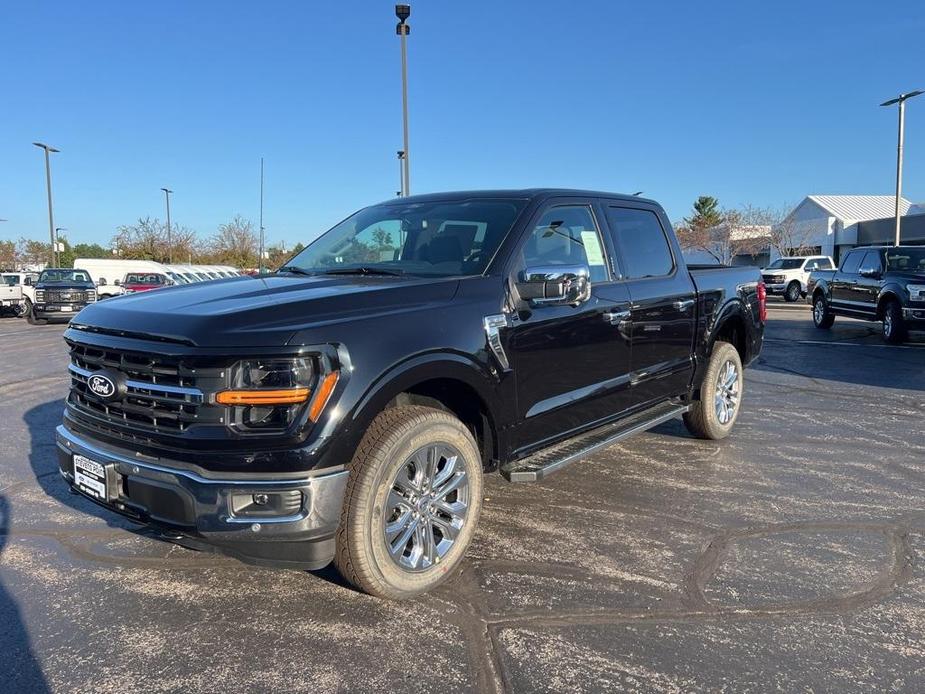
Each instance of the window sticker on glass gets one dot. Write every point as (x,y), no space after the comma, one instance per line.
(593,248)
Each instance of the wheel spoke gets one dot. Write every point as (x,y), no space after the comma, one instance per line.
(448,469)
(456,510)
(451,485)
(393,528)
(398,546)
(450,531)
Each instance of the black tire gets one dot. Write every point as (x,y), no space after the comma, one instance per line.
(823,318)
(793,292)
(703,419)
(30,316)
(895,331)
(396,437)
(26,309)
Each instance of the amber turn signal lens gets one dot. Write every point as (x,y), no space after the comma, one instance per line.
(287,396)
(323,395)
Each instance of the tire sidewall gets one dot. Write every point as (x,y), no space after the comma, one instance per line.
(788,293)
(367,525)
(723,352)
(820,299)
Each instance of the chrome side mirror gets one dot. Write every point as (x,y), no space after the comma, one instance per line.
(555,285)
(870,272)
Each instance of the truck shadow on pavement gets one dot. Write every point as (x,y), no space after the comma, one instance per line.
(19,670)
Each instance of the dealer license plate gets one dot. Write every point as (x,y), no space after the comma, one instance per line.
(90,477)
(66,309)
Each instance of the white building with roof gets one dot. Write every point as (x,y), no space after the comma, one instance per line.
(828,224)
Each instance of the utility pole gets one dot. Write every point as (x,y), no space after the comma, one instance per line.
(901,100)
(401,174)
(167,193)
(403,29)
(51,217)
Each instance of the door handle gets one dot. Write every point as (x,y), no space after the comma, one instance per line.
(683,305)
(616,317)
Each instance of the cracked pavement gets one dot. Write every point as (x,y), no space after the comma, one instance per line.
(789,556)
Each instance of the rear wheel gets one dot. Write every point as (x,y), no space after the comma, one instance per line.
(715,413)
(793,292)
(412,503)
(823,317)
(894,327)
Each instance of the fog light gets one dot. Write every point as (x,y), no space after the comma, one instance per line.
(261,499)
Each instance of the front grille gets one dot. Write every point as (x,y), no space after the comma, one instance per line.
(54,296)
(163,395)
(773,279)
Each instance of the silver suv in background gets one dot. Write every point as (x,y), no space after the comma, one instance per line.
(790,276)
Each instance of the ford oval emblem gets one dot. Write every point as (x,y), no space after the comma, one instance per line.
(101,386)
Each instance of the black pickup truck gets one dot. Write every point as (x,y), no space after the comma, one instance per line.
(60,293)
(347,406)
(876,283)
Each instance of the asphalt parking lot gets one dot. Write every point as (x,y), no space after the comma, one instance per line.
(789,556)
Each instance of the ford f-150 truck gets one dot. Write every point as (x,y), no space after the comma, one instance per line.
(789,276)
(60,293)
(346,407)
(876,283)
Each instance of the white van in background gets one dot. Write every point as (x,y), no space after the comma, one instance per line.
(108,273)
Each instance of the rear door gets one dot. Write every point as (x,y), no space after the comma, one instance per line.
(842,283)
(571,363)
(664,301)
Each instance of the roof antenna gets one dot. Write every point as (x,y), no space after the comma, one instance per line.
(637,193)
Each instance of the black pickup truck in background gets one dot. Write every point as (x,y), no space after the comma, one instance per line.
(876,283)
(346,407)
(60,294)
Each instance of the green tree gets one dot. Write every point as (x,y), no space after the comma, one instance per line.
(706,213)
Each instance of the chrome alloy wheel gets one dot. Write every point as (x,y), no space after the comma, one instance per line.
(726,399)
(819,311)
(426,507)
(888,324)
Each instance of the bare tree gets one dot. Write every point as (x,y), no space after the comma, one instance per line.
(736,232)
(33,252)
(147,240)
(788,236)
(8,255)
(236,243)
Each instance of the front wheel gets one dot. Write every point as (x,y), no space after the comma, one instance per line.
(823,318)
(24,310)
(412,503)
(715,413)
(793,292)
(894,327)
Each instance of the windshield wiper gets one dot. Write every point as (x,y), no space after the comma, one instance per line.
(364,270)
(295,270)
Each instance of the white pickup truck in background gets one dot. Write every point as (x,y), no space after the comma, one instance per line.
(17,293)
(789,276)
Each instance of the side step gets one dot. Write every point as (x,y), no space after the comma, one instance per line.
(548,460)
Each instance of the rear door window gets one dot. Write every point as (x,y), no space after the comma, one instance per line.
(852,262)
(643,243)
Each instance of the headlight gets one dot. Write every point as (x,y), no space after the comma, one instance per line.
(91,296)
(39,296)
(916,291)
(270,393)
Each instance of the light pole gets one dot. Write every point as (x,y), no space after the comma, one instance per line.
(403,29)
(51,218)
(901,100)
(401,173)
(260,257)
(167,193)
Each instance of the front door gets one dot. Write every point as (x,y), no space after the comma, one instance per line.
(571,363)
(842,284)
(664,303)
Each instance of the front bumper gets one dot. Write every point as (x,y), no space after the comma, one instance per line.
(915,317)
(215,513)
(57,311)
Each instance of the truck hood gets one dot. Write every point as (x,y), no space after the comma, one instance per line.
(260,311)
(66,286)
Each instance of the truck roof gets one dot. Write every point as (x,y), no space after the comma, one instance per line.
(520,193)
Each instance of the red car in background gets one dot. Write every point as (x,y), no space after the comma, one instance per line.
(143,281)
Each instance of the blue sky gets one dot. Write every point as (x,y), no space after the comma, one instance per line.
(757,103)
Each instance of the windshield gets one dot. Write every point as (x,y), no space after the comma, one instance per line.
(11,280)
(64,276)
(144,278)
(436,239)
(785,264)
(906,260)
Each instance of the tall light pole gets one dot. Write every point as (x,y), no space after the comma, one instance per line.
(51,217)
(901,100)
(167,193)
(260,260)
(403,29)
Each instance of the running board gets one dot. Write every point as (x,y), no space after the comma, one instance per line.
(549,460)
